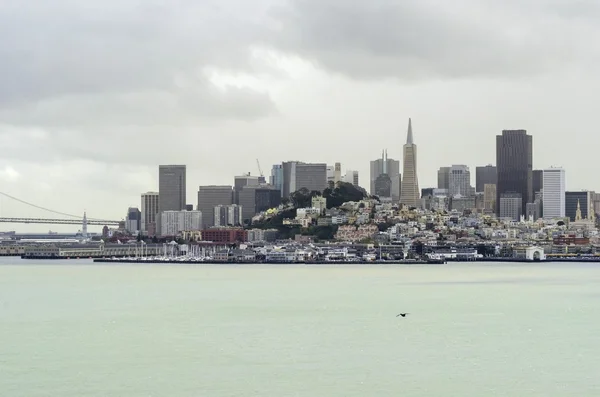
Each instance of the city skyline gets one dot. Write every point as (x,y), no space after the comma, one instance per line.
(246,81)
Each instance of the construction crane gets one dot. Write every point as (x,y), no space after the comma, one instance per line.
(259,169)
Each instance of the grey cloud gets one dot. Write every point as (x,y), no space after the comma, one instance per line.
(426,39)
(67,51)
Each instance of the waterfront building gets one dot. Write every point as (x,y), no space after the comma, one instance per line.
(511,206)
(211,196)
(390,168)
(171,187)
(554,193)
(148,213)
(228,215)
(486,175)
(409,191)
(298,175)
(514,162)
(173,222)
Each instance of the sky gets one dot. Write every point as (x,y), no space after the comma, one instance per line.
(95,95)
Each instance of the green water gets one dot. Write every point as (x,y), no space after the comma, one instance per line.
(77,329)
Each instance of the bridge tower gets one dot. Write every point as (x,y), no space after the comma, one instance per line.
(85,225)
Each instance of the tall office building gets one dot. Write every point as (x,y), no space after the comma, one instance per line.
(443,178)
(391,168)
(255,199)
(240,182)
(211,196)
(537,181)
(554,193)
(351,177)
(487,175)
(514,162)
(585,200)
(276,179)
(409,191)
(148,213)
(459,181)
(171,187)
(298,175)
(133,222)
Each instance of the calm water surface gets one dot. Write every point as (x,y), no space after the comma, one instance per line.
(73,329)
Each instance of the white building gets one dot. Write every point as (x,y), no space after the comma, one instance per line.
(459,181)
(173,222)
(554,193)
(351,177)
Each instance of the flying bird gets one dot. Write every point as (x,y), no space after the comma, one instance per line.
(402,314)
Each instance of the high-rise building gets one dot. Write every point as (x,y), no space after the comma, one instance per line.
(409,192)
(459,181)
(489,197)
(391,168)
(211,196)
(298,175)
(554,193)
(443,178)
(511,206)
(171,187)
(584,198)
(240,182)
(228,215)
(173,222)
(276,179)
(337,172)
(537,181)
(514,162)
(133,221)
(351,177)
(255,199)
(487,175)
(148,213)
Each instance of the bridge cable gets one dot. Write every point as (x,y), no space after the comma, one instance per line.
(45,209)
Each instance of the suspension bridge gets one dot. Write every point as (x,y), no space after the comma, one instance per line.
(67,219)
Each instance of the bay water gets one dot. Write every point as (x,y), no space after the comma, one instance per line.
(74,328)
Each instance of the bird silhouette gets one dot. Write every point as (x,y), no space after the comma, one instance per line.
(402,314)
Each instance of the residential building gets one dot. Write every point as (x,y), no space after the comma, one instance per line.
(174,222)
(228,215)
(514,162)
(511,206)
(211,196)
(554,193)
(409,191)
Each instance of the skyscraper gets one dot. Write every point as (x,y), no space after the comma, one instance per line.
(211,196)
(538,181)
(171,187)
(298,175)
(514,162)
(388,166)
(409,193)
(487,175)
(554,193)
(443,178)
(459,181)
(149,211)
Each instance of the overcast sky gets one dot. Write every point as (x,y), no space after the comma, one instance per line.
(95,94)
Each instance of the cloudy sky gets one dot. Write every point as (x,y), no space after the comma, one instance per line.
(95,94)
